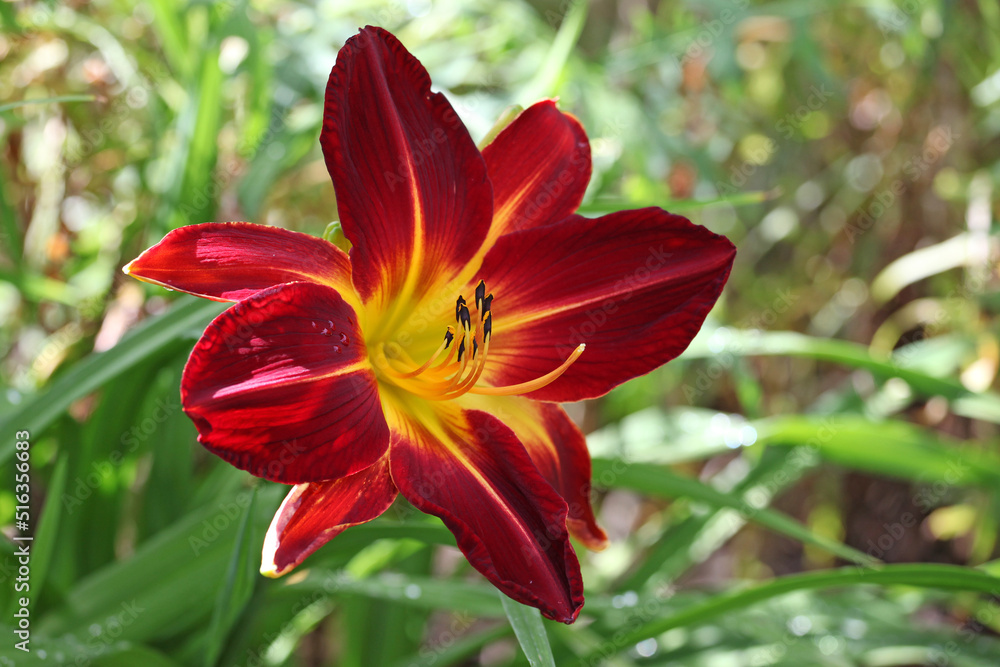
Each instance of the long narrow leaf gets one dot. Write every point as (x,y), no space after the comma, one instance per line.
(945,577)
(36,412)
(530,633)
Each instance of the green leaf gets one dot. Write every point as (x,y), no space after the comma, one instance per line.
(415,591)
(530,633)
(47,535)
(461,649)
(47,100)
(241,577)
(188,559)
(903,450)
(663,483)
(46,652)
(728,343)
(607,205)
(946,577)
(36,412)
(544,82)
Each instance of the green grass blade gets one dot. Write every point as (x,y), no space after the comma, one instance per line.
(945,577)
(544,82)
(47,534)
(530,633)
(787,343)
(47,100)
(463,648)
(603,206)
(663,483)
(903,450)
(241,577)
(36,412)
(415,591)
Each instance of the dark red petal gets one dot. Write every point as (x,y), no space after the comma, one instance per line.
(633,286)
(539,166)
(469,469)
(412,190)
(230,261)
(312,514)
(559,451)
(280,385)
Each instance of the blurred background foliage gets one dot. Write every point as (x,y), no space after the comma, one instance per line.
(838,409)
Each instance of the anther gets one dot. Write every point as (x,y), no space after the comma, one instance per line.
(475,348)
(448,337)
(458,306)
(463,317)
(480,294)
(487,302)
(461,348)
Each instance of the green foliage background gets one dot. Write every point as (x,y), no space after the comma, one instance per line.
(813,483)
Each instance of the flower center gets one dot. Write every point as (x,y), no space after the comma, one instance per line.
(463,364)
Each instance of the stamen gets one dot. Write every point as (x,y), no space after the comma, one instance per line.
(448,337)
(531,385)
(450,379)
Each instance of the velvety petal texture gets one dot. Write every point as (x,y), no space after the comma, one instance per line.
(469,469)
(412,190)
(633,286)
(539,166)
(230,261)
(314,513)
(280,385)
(558,449)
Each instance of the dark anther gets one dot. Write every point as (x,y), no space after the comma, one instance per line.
(487,303)
(464,319)
(480,294)
(475,348)
(448,337)
(458,306)
(461,349)
(487,326)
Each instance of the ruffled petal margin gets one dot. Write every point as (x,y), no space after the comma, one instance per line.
(469,469)
(633,286)
(280,385)
(314,513)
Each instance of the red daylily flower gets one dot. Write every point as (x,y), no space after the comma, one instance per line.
(330,372)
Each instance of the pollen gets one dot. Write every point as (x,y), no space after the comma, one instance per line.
(461,369)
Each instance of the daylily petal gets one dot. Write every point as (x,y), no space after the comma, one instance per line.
(412,190)
(559,451)
(539,166)
(633,286)
(230,261)
(314,513)
(280,385)
(467,468)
